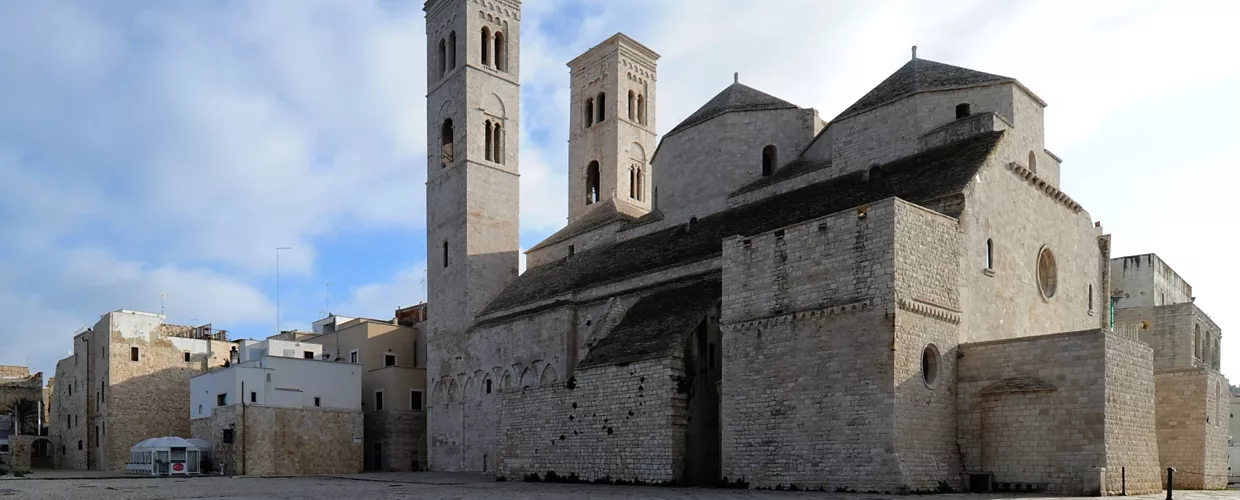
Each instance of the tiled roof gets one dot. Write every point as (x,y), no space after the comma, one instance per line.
(918,178)
(737,97)
(656,324)
(921,75)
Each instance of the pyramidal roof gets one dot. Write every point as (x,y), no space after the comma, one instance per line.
(921,75)
(737,97)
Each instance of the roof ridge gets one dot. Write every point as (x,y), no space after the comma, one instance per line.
(735,97)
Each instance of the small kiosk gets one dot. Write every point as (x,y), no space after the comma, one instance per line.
(165,456)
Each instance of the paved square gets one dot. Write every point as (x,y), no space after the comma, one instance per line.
(426,486)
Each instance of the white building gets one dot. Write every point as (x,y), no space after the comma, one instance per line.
(280,374)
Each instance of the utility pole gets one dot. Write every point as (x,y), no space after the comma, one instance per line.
(278,287)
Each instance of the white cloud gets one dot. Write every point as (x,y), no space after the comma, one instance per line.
(380,300)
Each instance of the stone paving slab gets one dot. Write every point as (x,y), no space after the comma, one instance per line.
(465,487)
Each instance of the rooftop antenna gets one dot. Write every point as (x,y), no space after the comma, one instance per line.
(162,296)
(914,52)
(278,286)
(327,302)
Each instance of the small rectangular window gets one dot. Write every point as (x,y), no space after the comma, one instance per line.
(389,360)
(253,397)
(308,355)
(221,399)
(79,444)
(353,356)
(133,353)
(379,401)
(187,356)
(228,436)
(318,401)
(415,399)
(445,254)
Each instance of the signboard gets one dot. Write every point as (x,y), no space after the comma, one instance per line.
(178,467)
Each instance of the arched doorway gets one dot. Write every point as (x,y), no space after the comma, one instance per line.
(41,454)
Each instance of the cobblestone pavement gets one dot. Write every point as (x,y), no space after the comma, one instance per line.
(383,487)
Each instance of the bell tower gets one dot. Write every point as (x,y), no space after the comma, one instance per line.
(611,125)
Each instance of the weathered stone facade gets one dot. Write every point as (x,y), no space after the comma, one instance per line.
(283,441)
(108,401)
(876,303)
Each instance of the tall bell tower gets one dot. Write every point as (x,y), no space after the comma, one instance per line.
(472,189)
(611,126)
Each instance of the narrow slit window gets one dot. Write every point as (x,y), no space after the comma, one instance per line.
(451,50)
(486,46)
(446,137)
(990,254)
(487,140)
(445,254)
(632,105)
(501,52)
(497,138)
(588,108)
(443,58)
(602,107)
(592,174)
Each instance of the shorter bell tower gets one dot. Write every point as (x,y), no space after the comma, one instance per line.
(612,128)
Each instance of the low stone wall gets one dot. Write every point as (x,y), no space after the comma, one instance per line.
(1053,410)
(401,435)
(619,421)
(284,441)
(1192,435)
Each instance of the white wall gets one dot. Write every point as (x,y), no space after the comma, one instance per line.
(134,324)
(252,350)
(279,381)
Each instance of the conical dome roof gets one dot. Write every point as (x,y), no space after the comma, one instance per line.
(921,75)
(737,97)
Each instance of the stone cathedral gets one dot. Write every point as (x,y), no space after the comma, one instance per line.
(899,299)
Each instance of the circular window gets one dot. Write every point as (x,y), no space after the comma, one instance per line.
(1048,279)
(930,365)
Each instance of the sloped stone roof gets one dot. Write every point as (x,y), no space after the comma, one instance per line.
(656,324)
(795,168)
(921,75)
(919,178)
(603,213)
(736,97)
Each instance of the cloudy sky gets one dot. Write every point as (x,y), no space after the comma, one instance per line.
(170,147)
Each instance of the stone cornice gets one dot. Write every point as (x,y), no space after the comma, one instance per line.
(929,310)
(851,307)
(1049,190)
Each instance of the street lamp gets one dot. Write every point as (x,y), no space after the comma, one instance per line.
(278,286)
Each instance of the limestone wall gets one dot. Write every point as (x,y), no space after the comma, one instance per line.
(622,421)
(401,436)
(1192,435)
(1182,335)
(807,385)
(1145,280)
(1020,219)
(926,286)
(1046,410)
(697,168)
(284,441)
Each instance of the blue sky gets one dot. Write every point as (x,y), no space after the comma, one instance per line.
(169,147)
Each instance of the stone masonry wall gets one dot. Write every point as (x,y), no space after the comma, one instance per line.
(1032,410)
(401,435)
(1131,431)
(807,376)
(150,397)
(1191,436)
(927,246)
(622,421)
(284,441)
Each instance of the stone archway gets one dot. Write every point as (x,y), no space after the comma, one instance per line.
(41,456)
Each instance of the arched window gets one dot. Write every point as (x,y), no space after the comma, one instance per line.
(602,107)
(486,46)
(1197,341)
(592,194)
(501,52)
(443,58)
(632,105)
(445,253)
(876,173)
(641,183)
(488,141)
(633,182)
(641,109)
(962,110)
(770,158)
(446,137)
(1033,162)
(589,112)
(452,50)
(497,139)
(990,254)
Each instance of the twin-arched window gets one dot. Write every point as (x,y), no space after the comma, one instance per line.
(447,54)
(637,182)
(637,107)
(494,138)
(494,49)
